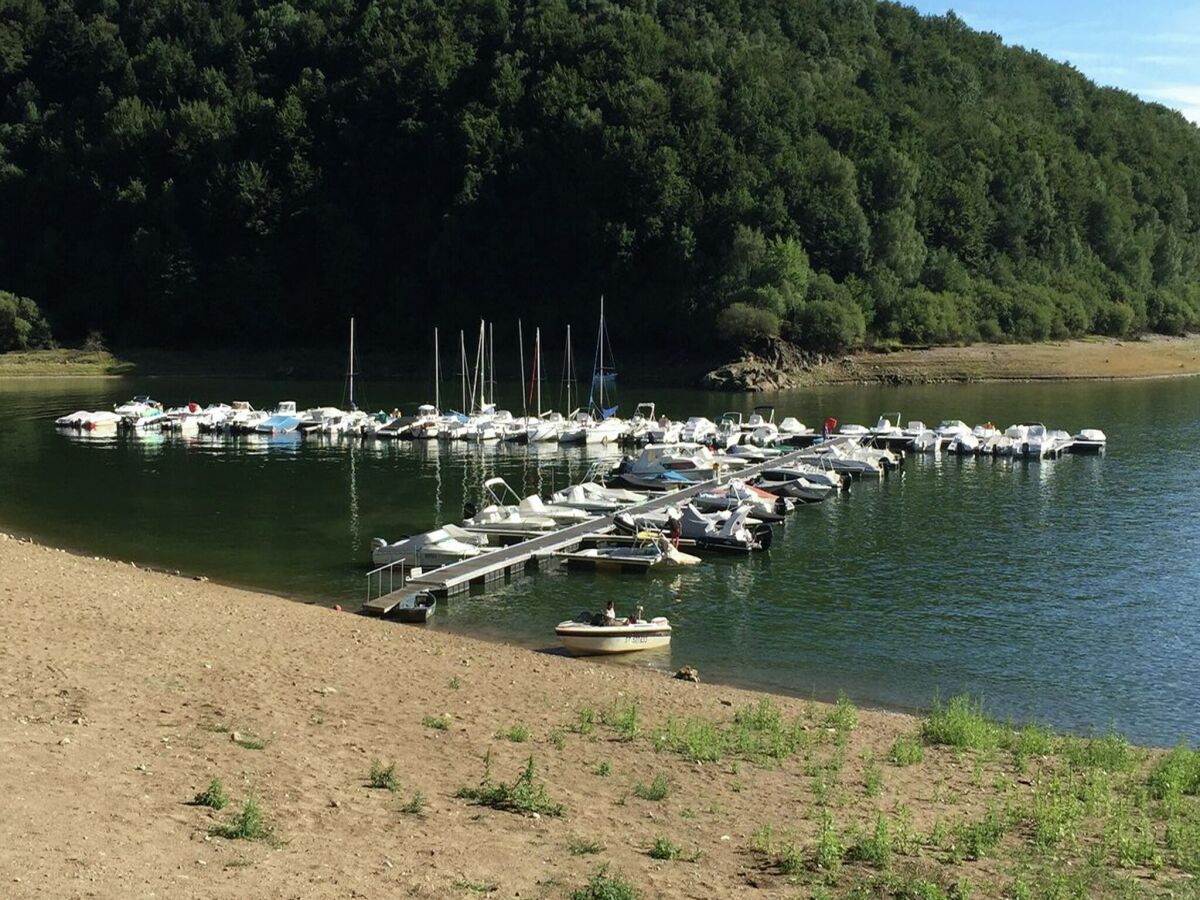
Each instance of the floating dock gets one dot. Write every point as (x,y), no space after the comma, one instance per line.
(505,562)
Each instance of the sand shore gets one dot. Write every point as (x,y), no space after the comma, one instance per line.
(1097,358)
(124,691)
(1152,356)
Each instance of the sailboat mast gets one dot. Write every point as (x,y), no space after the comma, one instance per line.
(437,373)
(537,356)
(600,354)
(570,372)
(492,368)
(351,367)
(476,381)
(462,346)
(521,356)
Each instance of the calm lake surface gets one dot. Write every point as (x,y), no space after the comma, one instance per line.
(1065,591)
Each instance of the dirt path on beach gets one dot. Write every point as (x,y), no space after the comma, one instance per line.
(125,691)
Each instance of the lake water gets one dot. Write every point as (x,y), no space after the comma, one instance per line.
(1065,591)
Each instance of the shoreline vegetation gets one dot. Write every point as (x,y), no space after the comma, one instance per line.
(201,740)
(778,368)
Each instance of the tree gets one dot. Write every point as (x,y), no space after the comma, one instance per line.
(22,326)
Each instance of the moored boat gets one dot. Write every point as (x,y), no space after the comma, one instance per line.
(417,608)
(1090,440)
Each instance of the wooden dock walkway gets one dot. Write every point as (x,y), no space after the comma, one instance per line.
(504,562)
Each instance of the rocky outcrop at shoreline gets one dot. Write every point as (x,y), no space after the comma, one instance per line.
(774,365)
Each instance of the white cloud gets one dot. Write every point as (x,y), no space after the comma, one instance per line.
(1164,60)
(1184,97)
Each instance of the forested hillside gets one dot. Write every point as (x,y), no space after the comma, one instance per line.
(192,172)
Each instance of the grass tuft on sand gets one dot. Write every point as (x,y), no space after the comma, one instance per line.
(248,825)
(213,796)
(525,796)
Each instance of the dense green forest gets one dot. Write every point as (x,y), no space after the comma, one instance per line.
(179,172)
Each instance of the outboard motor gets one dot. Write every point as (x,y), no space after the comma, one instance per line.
(469,510)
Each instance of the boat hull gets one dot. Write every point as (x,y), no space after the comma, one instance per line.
(419,612)
(592,640)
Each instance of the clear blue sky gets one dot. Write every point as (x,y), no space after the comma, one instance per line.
(1149,47)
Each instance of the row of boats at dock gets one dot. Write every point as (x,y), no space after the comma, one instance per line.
(725,512)
(732,432)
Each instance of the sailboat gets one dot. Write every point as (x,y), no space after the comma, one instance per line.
(545,426)
(428,423)
(599,425)
(336,421)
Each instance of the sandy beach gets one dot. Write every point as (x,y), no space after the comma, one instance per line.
(126,691)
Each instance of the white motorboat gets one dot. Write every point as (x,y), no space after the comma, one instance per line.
(527,514)
(583,638)
(139,406)
(683,462)
(665,431)
(183,418)
(888,427)
(752,453)
(760,428)
(534,507)
(732,531)
(649,549)
(852,459)
(637,429)
(100,420)
(442,546)
(284,420)
(700,430)
(313,421)
(349,422)
(597,499)
(793,427)
(587,430)
(243,418)
(75,419)
(798,485)
(763,504)
(816,473)
(546,428)
(1090,440)
(948,430)
(854,432)
(213,417)
(149,420)
(963,444)
(428,424)
(1032,440)
(575,431)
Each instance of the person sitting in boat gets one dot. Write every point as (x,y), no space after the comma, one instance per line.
(610,614)
(636,617)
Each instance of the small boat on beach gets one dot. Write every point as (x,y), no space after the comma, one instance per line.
(588,635)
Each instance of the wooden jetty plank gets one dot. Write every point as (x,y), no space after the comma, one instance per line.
(381,606)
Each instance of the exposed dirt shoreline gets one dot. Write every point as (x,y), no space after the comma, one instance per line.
(1094,359)
(1152,356)
(124,691)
